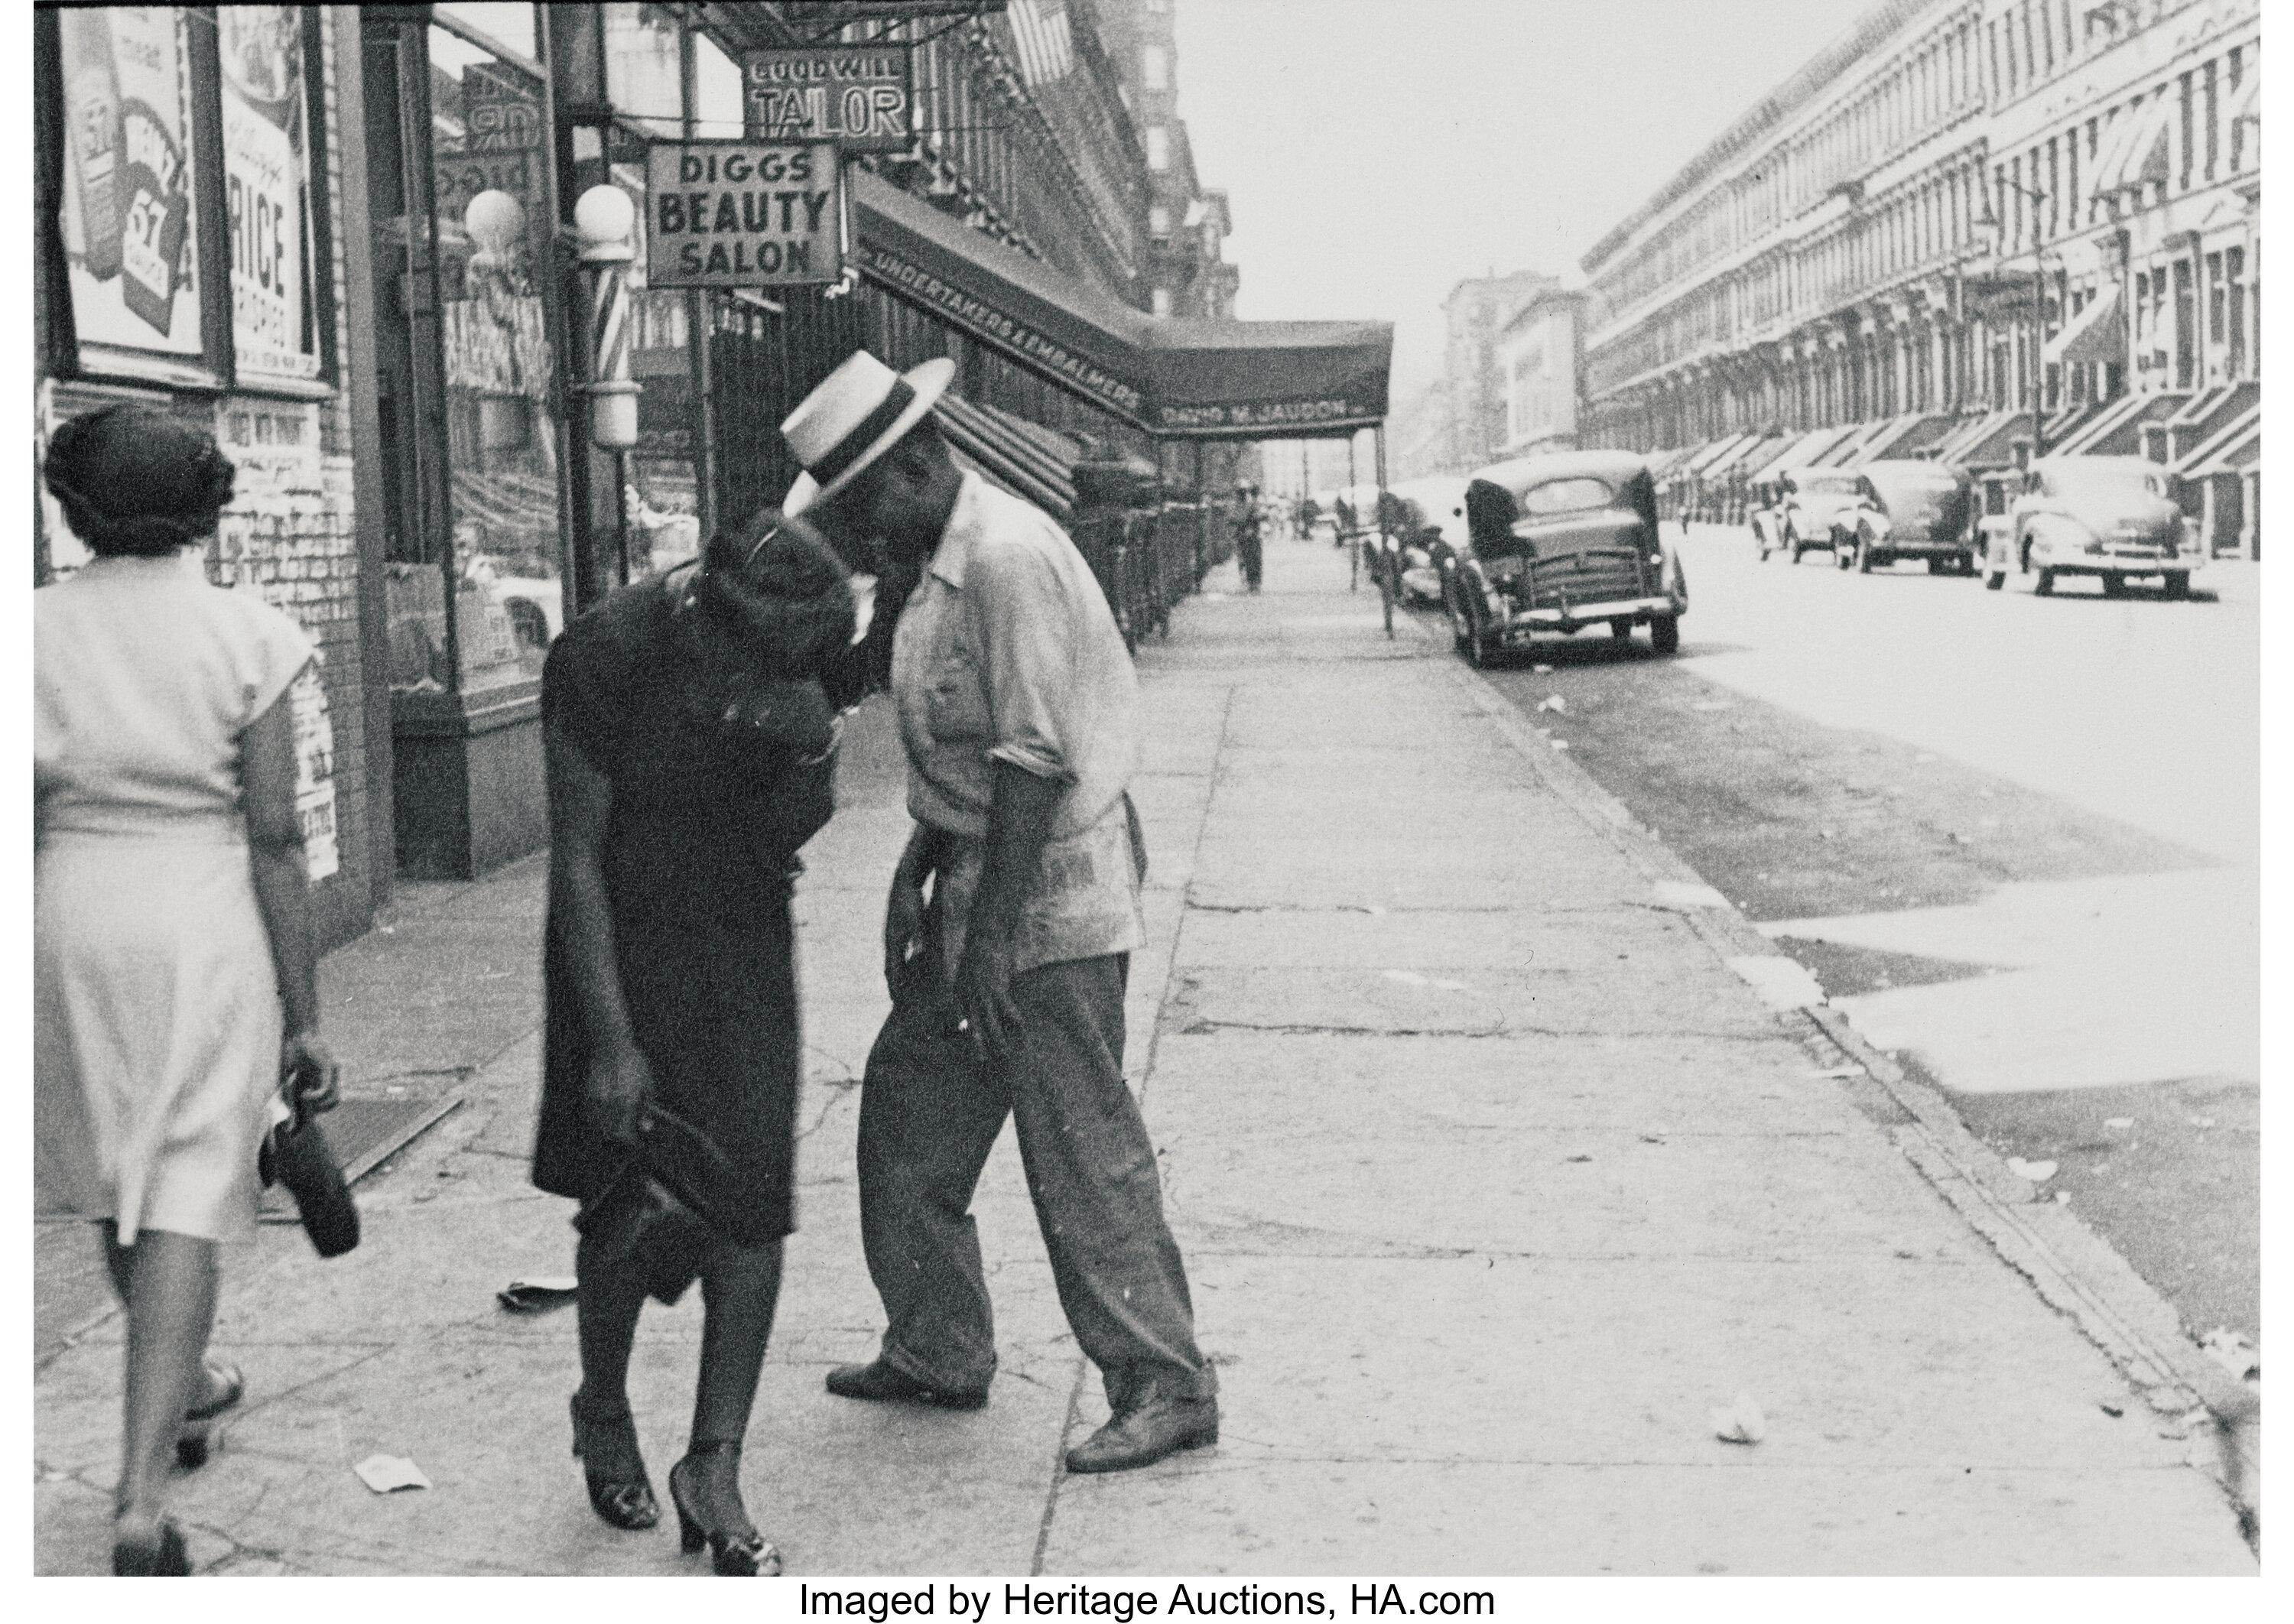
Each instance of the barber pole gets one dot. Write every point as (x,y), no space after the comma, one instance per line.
(603,219)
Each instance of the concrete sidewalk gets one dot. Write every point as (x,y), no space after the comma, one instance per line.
(1494,1178)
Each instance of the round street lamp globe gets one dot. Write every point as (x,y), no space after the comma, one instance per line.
(604,217)
(495,221)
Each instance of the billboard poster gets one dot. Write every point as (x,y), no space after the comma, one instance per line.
(859,96)
(127,224)
(743,214)
(265,146)
(314,774)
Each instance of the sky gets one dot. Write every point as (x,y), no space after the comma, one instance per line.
(1377,151)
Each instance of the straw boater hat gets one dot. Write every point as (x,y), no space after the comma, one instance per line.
(858,412)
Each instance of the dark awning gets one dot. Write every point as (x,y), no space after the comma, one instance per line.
(1179,378)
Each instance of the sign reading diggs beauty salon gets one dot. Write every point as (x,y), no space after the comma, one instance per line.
(743,214)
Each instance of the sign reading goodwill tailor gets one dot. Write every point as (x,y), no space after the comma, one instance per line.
(743,214)
(857,96)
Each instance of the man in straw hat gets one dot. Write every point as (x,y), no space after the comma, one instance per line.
(1018,710)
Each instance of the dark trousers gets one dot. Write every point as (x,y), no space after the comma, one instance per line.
(930,1112)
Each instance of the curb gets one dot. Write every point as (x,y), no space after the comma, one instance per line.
(2075,1271)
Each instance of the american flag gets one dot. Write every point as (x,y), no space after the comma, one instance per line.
(1046,49)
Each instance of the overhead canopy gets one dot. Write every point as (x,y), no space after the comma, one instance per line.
(1180,378)
(2095,333)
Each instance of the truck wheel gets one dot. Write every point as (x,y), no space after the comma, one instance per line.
(2045,587)
(2114,585)
(1457,633)
(1620,627)
(1665,633)
(1845,558)
(1994,581)
(2178,583)
(1864,555)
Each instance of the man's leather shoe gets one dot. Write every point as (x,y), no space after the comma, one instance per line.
(1157,1422)
(890,1384)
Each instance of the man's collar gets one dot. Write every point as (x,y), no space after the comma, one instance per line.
(964,520)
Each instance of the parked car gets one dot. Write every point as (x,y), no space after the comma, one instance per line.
(1815,508)
(1558,542)
(2113,517)
(1915,509)
(1432,530)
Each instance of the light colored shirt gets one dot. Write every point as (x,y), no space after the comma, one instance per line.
(1006,652)
(143,677)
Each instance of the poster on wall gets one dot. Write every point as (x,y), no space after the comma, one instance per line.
(127,224)
(266,148)
(314,774)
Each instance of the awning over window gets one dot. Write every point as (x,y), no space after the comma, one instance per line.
(1179,378)
(2097,333)
(2137,152)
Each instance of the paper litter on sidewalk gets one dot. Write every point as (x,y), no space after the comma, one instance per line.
(1555,703)
(538,1295)
(383,1474)
(2039,1172)
(1741,1422)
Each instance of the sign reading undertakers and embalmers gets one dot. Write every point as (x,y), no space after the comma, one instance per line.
(743,214)
(857,96)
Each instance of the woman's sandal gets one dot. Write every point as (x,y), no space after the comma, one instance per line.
(625,1503)
(161,1557)
(227,1385)
(734,1555)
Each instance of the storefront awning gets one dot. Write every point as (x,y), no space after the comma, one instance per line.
(1176,378)
(2095,334)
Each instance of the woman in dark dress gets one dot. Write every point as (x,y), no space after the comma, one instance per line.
(687,728)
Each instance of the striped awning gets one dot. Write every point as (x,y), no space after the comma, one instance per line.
(2097,333)
(2136,153)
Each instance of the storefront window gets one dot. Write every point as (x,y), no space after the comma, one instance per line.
(457,191)
(492,223)
(129,233)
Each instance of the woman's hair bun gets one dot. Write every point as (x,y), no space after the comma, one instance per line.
(136,480)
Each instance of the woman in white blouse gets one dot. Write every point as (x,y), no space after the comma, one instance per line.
(174,986)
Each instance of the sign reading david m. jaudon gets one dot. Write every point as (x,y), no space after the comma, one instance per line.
(743,214)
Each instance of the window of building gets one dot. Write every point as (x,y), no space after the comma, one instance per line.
(2213,120)
(510,26)
(717,100)
(2183,133)
(2234,279)
(1159,223)
(1158,148)
(2047,37)
(1154,68)
(645,73)
(1160,301)
(464,376)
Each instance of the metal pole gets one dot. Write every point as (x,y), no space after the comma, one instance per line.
(2039,340)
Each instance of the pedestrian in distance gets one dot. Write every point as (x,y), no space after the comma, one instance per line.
(1017,706)
(174,986)
(689,732)
(1247,548)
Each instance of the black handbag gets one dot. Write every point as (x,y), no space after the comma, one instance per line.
(661,1212)
(296,1153)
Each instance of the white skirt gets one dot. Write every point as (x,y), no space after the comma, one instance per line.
(156,1033)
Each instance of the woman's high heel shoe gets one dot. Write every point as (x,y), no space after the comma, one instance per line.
(161,1557)
(624,1502)
(734,1555)
(192,1445)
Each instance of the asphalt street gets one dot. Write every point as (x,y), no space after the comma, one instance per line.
(2016,838)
